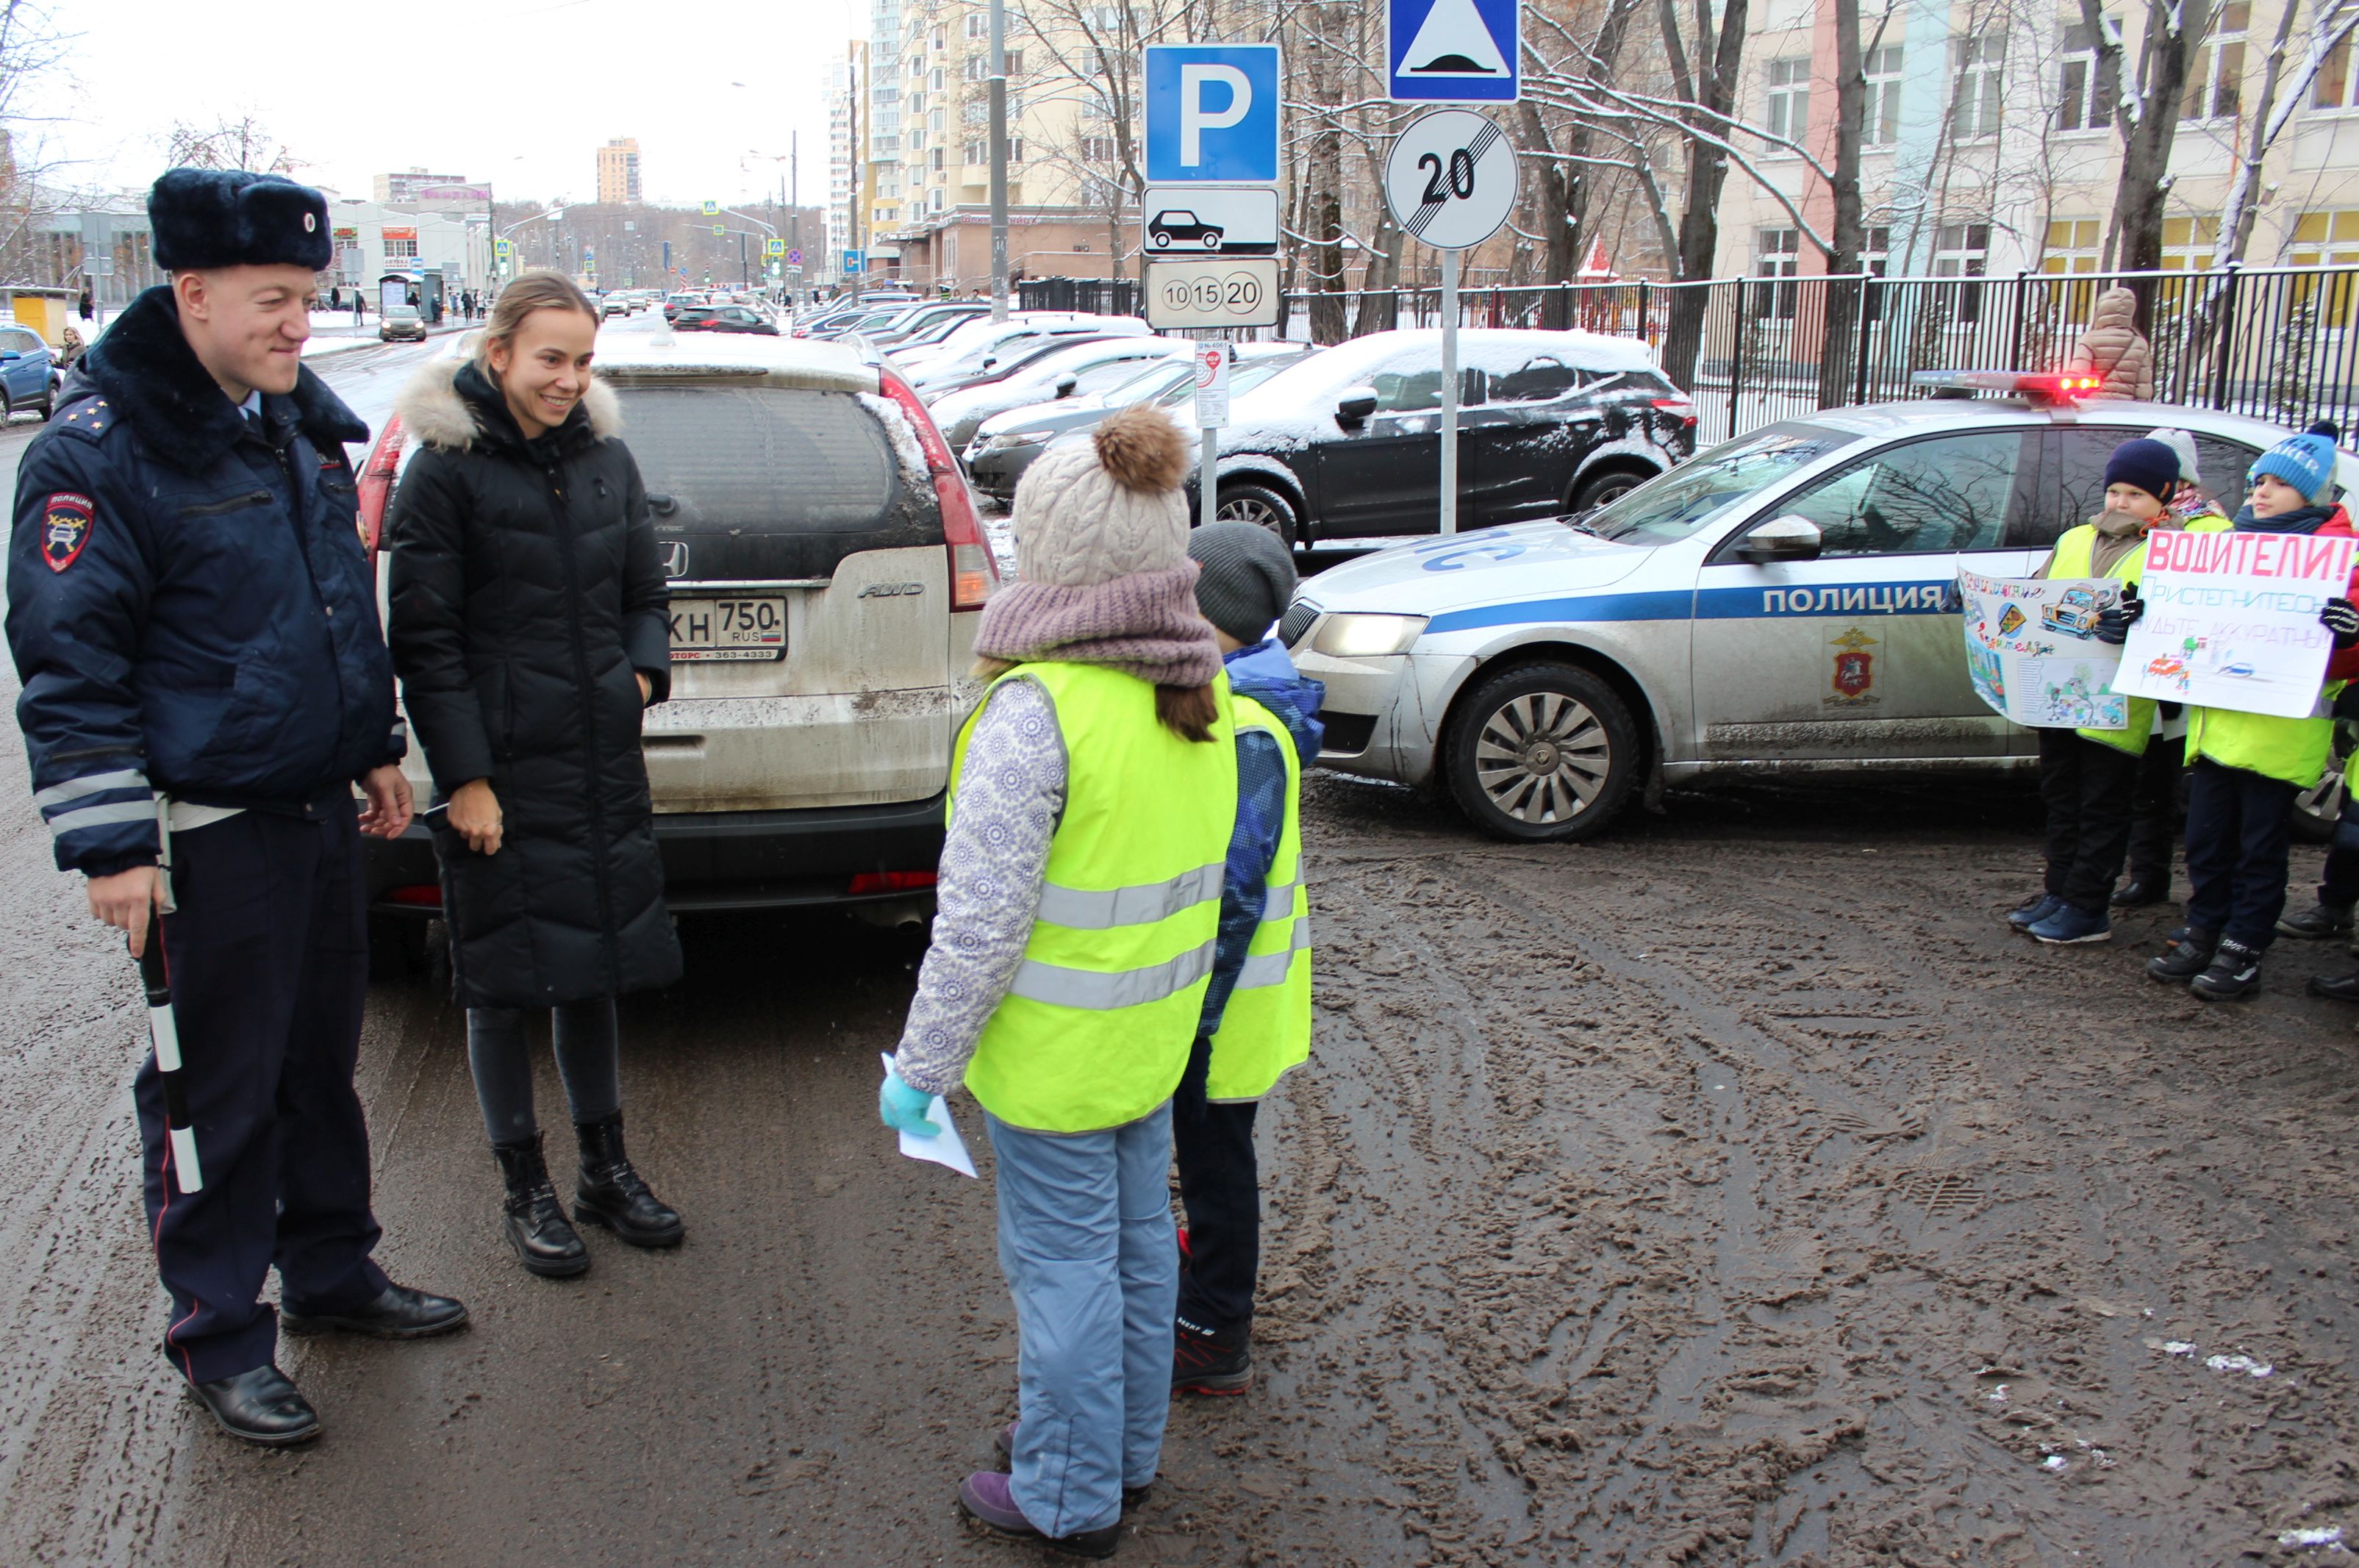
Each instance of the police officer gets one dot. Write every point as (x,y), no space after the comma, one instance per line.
(195,626)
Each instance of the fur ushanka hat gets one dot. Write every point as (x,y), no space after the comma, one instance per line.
(202,218)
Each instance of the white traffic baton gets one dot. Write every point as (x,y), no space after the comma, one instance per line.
(165,1035)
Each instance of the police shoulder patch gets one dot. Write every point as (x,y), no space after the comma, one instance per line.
(65,527)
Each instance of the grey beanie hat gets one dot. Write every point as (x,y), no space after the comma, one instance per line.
(1246,581)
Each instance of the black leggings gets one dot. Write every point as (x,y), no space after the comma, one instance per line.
(587,1060)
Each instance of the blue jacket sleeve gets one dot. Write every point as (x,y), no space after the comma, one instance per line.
(74,629)
(1245,881)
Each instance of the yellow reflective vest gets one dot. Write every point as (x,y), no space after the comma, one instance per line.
(2295,750)
(1095,1028)
(1266,1028)
(2076,553)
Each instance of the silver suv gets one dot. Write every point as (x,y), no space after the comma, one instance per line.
(827,565)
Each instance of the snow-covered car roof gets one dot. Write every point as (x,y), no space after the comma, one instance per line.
(1500,350)
(780,361)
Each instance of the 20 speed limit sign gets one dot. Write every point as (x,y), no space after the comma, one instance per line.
(1451,180)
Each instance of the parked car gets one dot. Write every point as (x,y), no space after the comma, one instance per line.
(984,348)
(919,318)
(400,322)
(1775,605)
(1348,445)
(724,318)
(29,372)
(1061,370)
(1004,445)
(826,566)
(614,305)
(675,304)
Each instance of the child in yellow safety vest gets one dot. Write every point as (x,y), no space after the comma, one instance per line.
(2244,769)
(1256,1020)
(2088,779)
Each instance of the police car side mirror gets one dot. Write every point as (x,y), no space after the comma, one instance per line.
(1782,538)
(1354,404)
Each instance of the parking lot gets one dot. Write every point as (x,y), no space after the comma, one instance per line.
(1728,1188)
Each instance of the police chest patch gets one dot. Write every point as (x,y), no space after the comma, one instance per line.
(66,529)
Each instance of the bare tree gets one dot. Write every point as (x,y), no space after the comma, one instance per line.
(243,143)
(2146,115)
(2331,29)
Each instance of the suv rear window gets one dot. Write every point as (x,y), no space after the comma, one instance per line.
(771,482)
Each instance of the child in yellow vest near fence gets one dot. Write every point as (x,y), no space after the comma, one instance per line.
(2088,779)
(2244,769)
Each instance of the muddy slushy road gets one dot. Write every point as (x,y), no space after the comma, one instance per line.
(1730,1191)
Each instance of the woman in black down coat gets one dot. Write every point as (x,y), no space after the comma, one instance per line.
(528,629)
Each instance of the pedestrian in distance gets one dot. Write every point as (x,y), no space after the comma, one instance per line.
(529,632)
(2245,769)
(1256,1021)
(204,680)
(2089,778)
(2156,806)
(1094,792)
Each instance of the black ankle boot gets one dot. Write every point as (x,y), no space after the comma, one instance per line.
(532,1219)
(613,1194)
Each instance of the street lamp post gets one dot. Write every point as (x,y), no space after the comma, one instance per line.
(999,93)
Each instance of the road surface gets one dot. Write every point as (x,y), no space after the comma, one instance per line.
(1731,1191)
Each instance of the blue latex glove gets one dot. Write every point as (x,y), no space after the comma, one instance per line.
(904,1109)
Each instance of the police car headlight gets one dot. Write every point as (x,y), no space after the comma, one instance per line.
(1367,637)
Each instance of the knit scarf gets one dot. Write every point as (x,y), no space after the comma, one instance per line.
(2300,521)
(1145,624)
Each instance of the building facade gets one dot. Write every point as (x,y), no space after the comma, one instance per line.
(375,241)
(417,185)
(618,173)
(1986,148)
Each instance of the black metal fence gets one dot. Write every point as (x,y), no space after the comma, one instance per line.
(2280,343)
(1097,296)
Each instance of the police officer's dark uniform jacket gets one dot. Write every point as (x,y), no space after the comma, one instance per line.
(525,591)
(192,615)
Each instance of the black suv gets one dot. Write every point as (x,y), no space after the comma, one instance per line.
(1348,443)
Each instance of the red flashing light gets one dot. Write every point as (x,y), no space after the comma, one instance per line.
(973,572)
(891,882)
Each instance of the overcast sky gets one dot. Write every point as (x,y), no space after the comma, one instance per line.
(518,92)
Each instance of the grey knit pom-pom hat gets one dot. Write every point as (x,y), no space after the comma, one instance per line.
(1089,512)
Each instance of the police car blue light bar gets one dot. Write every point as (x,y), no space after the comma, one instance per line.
(2040,387)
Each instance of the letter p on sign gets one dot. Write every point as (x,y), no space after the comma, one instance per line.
(1211,112)
(1195,118)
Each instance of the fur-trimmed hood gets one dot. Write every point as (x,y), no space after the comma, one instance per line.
(147,371)
(436,409)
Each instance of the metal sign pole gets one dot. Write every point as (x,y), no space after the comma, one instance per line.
(998,91)
(1450,392)
(1207,504)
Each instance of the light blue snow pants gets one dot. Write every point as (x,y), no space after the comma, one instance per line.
(1087,1243)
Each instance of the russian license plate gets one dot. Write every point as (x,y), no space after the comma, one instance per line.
(728,628)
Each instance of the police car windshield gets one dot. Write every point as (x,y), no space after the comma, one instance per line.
(1667,509)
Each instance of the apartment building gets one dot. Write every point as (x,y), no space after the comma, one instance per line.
(931,150)
(847,164)
(1984,152)
(619,172)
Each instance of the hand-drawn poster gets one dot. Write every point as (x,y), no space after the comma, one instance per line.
(2032,649)
(2232,620)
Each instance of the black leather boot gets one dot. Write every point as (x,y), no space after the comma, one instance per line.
(613,1194)
(260,1407)
(531,1218)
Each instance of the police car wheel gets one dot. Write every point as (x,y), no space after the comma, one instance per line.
(1257,504)
(1541,752)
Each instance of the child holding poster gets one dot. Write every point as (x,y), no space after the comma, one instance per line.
(2089,779)
(2245,769)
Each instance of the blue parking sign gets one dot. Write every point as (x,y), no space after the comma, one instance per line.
(1212,113)
(1452,51)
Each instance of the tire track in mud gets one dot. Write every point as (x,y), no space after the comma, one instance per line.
(1898,1203)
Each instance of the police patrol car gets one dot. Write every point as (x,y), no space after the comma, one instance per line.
(1774,605)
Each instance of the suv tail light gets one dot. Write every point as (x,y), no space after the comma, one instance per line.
(376,484)
(973,572)
(1678,408)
